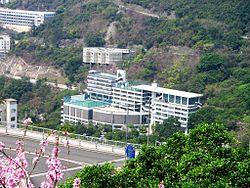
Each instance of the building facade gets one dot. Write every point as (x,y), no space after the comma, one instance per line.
(106,56)
(4,1)
(165,103)
(121,103)
(23,17)
(8,113)
(4,45)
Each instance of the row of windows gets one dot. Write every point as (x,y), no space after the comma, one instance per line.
(165,117)
(180,100)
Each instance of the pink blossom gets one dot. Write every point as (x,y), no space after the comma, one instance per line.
(44,142)
(161,185)
(35,159)
(1,146)
(27,121)
(46,185)
(30,185)
(13,170)
(77,183)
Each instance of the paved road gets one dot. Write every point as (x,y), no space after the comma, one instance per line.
(72,163)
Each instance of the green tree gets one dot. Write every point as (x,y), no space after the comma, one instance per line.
(210,61)
(95,40)
(67,127)
(167,128)
(206,157)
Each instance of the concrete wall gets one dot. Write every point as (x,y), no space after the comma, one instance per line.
(77,112)
(115,118)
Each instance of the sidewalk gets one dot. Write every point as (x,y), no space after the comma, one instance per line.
(78,143)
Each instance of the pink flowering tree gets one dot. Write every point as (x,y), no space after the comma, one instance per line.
(13,170)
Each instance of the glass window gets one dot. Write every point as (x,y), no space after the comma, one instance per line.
(171,98)
(165,97)
(193,100)
(184,100)
(178,100)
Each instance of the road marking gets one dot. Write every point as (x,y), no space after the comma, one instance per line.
(64,170)
(46,156)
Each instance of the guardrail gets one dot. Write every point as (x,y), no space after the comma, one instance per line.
(45,131)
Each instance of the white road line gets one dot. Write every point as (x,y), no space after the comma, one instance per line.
(65,170)
(112,161)
(46,156)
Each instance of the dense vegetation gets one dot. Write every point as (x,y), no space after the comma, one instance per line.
(39,101)
(207,157)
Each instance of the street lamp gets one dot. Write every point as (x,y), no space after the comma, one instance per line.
(148,121)
(127,125)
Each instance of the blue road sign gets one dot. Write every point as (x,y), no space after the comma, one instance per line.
(130,151)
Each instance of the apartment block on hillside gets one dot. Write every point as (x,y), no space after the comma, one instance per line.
(23,17)
(106,56)
(8,112)
(4,45)
(111,99)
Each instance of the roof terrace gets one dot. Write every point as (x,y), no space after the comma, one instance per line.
(80,100)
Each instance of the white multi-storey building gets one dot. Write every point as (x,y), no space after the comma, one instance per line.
(4,1)
(121,103)
(4,45)
(167,103)
(99,85)
(8,112)
(96,55)
(23,17)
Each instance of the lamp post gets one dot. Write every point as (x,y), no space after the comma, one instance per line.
(127,126)
(148,132)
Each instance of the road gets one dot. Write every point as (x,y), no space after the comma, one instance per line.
(72,163)
(33,81)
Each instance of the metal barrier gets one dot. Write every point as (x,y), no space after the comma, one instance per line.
(101,141)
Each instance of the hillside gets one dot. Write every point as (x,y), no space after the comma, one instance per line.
(199,48)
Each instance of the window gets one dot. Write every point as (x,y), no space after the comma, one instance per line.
(165,97)
(184,100)
(193,100)
(12,119)
(171,98)
(178,100)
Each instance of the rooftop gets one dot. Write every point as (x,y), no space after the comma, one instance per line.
(123,50)
(25,11)
(127,87)
(167,91)
(79,100)
(103,75)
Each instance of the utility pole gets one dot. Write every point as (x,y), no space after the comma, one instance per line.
(127,126)
(148,132)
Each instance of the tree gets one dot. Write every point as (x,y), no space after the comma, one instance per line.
(210,61)
(167,128)
(94,40)
(206,114)
(67,127)
(206,157)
